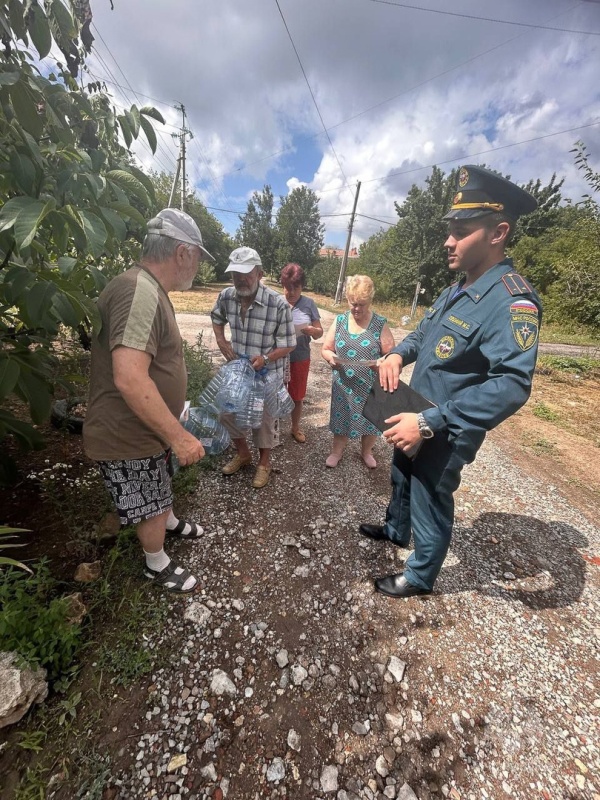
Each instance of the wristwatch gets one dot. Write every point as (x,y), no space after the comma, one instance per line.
(266,360)
(424,429)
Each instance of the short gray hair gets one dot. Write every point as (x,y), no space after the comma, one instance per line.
(161,248)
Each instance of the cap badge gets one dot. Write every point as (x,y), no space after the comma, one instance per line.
(457,198)
(463,177)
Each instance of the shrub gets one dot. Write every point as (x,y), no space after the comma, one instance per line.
(34,622)
(199,367)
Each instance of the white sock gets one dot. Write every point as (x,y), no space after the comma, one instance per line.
(157,561)
(173,522)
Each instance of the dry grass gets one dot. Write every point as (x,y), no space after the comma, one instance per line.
(201,300)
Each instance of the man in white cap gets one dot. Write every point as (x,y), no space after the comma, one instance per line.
(261,328)
(137,392)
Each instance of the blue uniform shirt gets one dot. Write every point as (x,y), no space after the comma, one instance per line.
(475,355)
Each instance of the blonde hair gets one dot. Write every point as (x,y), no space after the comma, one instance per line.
(360,287)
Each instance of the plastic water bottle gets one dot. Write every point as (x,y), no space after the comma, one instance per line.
(213,436)
(272,383)
(285,404)
(208,396)
(252,415)
(237,381)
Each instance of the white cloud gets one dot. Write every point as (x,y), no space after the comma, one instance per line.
(460,87)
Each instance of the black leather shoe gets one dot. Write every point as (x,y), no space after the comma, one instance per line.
(373,531)
(398,586)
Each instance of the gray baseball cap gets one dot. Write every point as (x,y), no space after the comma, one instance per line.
(178,225)
(243,259)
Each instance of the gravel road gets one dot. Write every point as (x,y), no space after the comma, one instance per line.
(291,678)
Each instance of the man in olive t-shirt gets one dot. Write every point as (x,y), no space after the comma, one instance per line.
(137,391)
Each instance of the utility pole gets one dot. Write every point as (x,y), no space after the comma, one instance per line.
(340,285)
(183,134)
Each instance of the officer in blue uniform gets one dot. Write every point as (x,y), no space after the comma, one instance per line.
(474,353)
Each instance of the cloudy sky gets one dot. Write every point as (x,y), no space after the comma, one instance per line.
(397,86)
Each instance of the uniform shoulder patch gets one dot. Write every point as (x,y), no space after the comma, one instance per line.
(515,284)
(524,323)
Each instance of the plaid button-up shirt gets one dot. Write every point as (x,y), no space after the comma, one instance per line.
(267,325)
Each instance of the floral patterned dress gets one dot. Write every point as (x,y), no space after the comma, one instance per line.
(352,384)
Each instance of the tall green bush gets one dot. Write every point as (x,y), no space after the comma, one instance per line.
(70,195)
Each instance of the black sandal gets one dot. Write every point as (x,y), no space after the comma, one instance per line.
(179,530)
(170,578)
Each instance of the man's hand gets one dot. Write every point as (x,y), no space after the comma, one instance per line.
(389,369)
(258,362)
(187,448)
(404,432)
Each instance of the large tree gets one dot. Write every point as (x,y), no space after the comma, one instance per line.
(257,229)
(299,228)
(70,197)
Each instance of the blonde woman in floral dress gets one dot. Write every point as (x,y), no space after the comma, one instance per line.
(357,336)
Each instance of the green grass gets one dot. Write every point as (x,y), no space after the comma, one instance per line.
(553,333)
(539,445)
(569,365)
(542,411)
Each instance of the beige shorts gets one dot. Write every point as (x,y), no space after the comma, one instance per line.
(265,438)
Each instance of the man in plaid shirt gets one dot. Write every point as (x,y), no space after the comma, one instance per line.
(261,328)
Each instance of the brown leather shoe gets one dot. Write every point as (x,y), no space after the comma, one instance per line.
(236,463)
(261,477)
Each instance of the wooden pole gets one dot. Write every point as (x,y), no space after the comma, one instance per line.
(342,277)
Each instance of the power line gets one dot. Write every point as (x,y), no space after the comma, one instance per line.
(483,19)
(480,153)
(442,74)
(313,98)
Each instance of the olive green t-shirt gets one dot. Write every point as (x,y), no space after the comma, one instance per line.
(136,312)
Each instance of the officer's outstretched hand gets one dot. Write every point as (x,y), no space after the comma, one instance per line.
(404,432)
(389,369)
(187,448)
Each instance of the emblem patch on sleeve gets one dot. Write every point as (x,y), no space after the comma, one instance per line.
(524,323)
(445,347)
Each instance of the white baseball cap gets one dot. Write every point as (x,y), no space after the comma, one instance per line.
(178,225)
(243,259)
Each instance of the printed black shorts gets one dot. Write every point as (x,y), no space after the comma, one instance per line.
(140,487)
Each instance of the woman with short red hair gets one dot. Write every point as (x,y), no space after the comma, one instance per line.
(307,321)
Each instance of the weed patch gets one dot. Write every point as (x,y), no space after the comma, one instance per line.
(542,411)
(539,445)
(569,366)
(35,623)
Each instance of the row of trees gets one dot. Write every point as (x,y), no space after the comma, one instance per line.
(294,233)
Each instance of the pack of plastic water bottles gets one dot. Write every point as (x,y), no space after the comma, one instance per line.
(240,390)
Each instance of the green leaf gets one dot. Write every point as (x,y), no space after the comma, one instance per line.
(25,109)
(63,19)
(9,374)
(18,280)
(26,434)
(39,30)
(17,20)
(150,111)
(12,208)
(39,300)
(117,226)
(133,120)
(150,133)
(144,180)
(27,222)
(75,224)
(128,211)
(66,264)
(36,393)
(33,148)
(65,311)
(129,183)
(24,172)
(9,78)
(127,135)
(95,231)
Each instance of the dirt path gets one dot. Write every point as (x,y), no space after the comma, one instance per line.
(294,679)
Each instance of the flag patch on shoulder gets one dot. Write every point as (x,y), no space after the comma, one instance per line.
(524,307)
